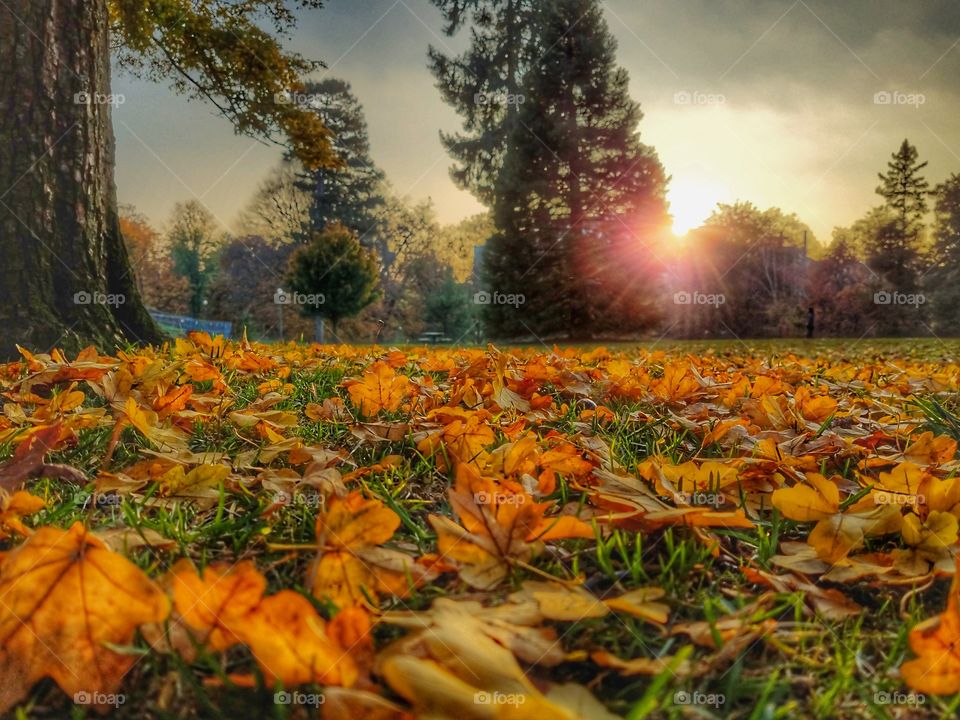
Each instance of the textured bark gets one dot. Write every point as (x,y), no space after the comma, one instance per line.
(63,265)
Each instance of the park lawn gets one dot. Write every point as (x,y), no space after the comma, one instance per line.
(732,624)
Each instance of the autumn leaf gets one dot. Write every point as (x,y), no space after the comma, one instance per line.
(68,601)
(28,459)
(351,565)
(12,510)
(936,642)
(218,603)
(379,389)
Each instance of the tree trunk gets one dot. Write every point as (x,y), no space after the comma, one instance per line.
(66,280)
(318,329)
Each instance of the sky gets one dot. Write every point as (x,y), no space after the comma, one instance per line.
(796,104)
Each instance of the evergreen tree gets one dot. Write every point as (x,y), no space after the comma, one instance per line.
(351,193)
(905,189)
(944,279)
(337,276)
(484,85)
(578,196)
(893,252)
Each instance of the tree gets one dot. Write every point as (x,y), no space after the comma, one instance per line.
(944,278)
(905,189)
(244,288)
(351,193)
(159,285)
(839,291)
(59,226)
(743,274)
(893,252)
(280,209)
(483,85)
(578,192)
(335,275)
(194,241)
(449,305)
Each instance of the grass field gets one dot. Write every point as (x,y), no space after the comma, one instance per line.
(684,482)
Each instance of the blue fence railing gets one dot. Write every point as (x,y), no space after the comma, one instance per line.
(185,324)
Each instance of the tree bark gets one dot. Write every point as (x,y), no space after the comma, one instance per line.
(66,279)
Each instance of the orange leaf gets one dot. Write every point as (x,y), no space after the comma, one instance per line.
(66,600)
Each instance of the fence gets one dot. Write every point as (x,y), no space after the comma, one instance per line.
(181,324)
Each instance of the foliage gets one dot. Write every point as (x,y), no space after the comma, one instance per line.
(157,280)
(351,193)
(194,240)
(944,276)
(218,51)
(337,272)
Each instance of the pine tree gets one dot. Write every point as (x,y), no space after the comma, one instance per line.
(483,85)
(351,193)
(944,279)
(905,189)
(578,195)
(893,252)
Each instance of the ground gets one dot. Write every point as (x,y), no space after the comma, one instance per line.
(724,529)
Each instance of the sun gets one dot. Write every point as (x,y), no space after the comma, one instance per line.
(691,202)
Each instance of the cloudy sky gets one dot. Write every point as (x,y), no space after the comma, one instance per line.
(795,104)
